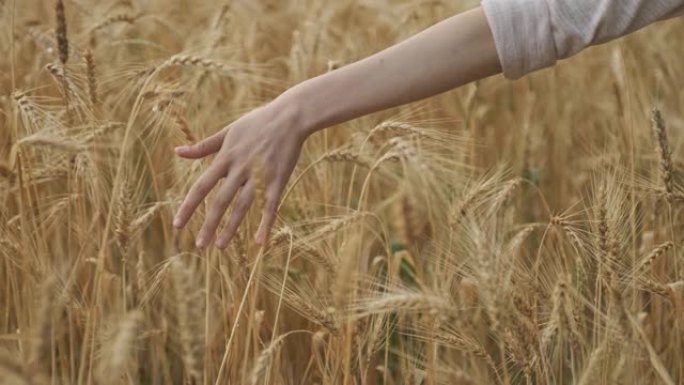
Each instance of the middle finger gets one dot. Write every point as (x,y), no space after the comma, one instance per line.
(219,206)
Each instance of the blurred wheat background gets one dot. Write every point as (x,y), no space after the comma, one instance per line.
(524,232)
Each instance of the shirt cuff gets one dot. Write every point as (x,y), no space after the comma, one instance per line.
(522,34)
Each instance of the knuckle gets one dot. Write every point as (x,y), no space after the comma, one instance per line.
(202,187)
(243,204)
(221,201)
(271,207)
(272,199)
(217,206)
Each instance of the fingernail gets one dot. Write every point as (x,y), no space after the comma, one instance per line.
(200,243)
(177,223)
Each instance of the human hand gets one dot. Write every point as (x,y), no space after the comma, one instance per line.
(270,138)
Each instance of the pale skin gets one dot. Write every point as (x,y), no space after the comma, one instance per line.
(449,54)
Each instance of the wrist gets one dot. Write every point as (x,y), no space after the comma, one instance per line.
(298,108)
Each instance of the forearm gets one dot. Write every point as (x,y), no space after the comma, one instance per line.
(449,54)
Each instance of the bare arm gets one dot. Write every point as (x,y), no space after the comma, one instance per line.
(454,52)
(447,55)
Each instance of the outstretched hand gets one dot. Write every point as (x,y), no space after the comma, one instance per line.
(269,138)
(449,54)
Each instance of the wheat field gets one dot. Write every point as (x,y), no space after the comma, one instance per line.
(525,232)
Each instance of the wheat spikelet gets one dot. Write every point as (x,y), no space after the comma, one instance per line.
(124,218)
(318,350)
(467,344)
(194,61)
(520,352)
(655,288)
(139,224)
(117,352)
(116,19)
(263,364)
(9,247)
(520,237)
(152,289)
(592,372)
(51,141)
(61,32)
(663,148)
(341,222)
(323,318)
(571,232)
(28,111)
(6,171)
(606,240)
(617,322)
(392,126)
(283,235)
(313,254)
(241,251)
(91,75)
(563,319)
(183,125)
(479,192)
(100,131)
(505,195)
(411,302)
(653,255)
(677,287)
(140,275)
(315,309)
(12,372)
(603,229)
(188,307)
(578,244)
(58,72)
(343,155)
(161,92)
(676,197)
(409,223)
(48,318)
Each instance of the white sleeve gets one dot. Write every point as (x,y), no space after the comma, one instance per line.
(534,34)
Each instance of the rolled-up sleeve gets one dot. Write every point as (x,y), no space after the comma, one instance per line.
(534,34)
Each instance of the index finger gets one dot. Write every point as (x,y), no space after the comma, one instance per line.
(199,191)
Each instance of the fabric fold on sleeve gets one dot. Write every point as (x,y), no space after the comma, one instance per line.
(534,34)
(523,35)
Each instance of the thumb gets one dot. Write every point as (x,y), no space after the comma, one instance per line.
(205,147)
